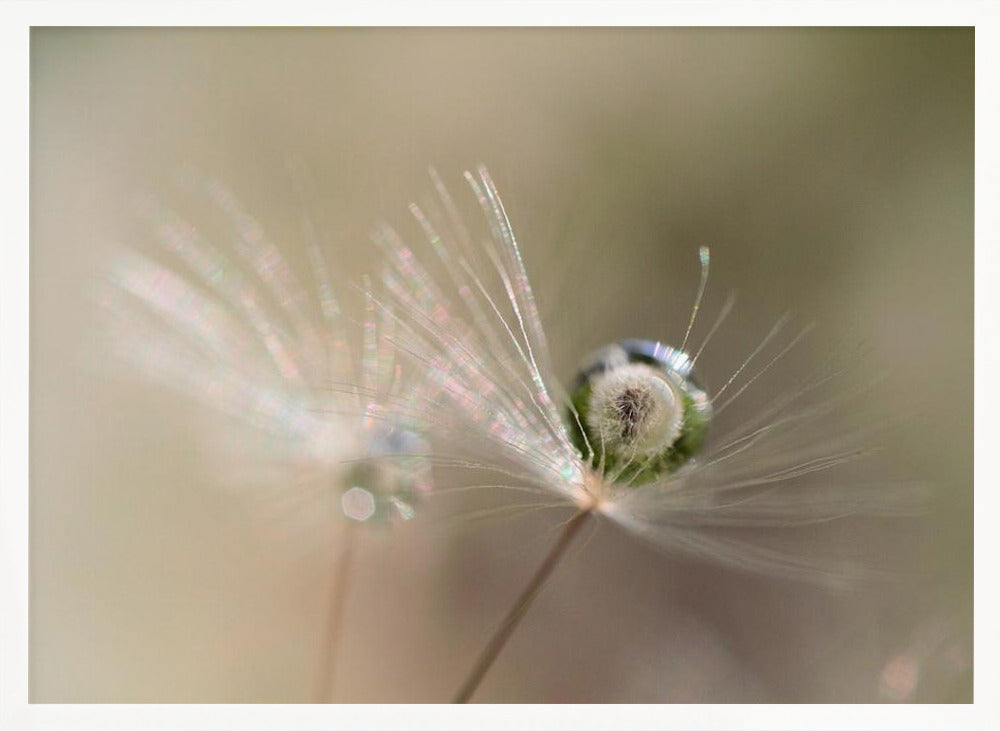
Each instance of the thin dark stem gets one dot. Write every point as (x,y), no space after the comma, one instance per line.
(335,619)
(520,608)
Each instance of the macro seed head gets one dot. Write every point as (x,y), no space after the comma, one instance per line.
(641,413)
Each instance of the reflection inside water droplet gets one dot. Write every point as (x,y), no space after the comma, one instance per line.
(358,504)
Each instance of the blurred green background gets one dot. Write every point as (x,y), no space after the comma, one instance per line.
(831,172)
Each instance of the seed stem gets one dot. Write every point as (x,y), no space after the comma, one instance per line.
(520,608)
(340,586)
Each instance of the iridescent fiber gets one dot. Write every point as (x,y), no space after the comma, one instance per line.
(247,340)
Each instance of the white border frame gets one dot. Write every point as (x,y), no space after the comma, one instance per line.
(16,18)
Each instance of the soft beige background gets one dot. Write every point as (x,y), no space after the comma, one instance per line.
(830,170)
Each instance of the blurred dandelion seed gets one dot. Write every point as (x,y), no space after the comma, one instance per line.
(630,442)
(245,339)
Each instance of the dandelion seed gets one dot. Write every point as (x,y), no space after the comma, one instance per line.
(239,335)
(630,442)
(241,340)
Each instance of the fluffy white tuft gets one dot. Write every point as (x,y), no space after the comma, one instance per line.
(636,410)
